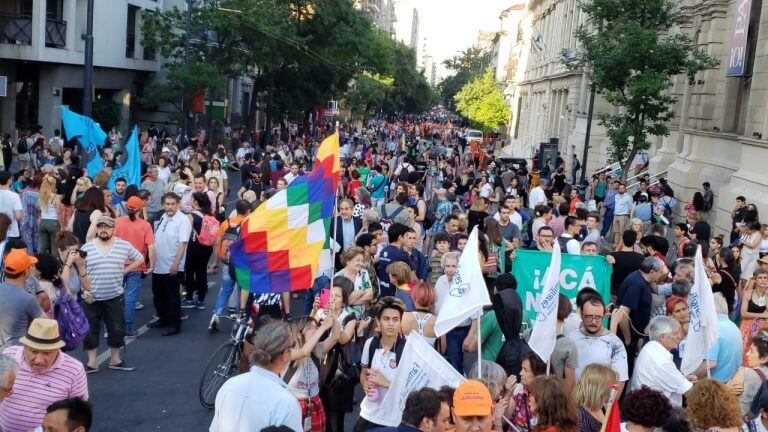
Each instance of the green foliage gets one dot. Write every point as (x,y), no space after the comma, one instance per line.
(482,102)
(368,93)
(465,66)
(106,113)
(299,53)
(631,50)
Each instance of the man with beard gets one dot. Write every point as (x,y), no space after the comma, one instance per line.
(106,264)
(595,343)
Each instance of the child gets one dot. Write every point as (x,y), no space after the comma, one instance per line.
(442,246)
(400,275)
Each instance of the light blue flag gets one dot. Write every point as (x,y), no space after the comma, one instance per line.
(90,135)
(129,165)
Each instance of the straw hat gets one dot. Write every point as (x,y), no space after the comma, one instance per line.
(43,334)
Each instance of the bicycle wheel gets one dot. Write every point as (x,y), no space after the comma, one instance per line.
(223,364)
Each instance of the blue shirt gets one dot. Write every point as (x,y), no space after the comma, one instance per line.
(623,204)
(420,264)
(726,351)
(378,188)
(644,212)
(348,229)
(610,198)
(387,256)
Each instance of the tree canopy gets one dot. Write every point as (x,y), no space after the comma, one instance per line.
(631,50)
(482,102)
(465,66)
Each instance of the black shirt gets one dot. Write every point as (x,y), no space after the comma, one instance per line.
(635,294)
(703,231)
(626,263)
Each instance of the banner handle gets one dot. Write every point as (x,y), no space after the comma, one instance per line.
(479,347)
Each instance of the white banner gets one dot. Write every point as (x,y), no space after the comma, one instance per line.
(420,366)
(468,293)
(544,333)
(702,327)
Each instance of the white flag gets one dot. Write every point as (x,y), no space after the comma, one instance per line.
(420,366)
(702,327)
(544,333)
(468,293)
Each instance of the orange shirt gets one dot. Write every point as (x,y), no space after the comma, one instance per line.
(138,233)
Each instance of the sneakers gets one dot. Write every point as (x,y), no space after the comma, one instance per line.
(200,305)
(122,366)
(184,316)
(213,327)
(188,304)
(90,370)
(138,306)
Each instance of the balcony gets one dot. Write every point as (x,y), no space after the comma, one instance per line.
(16,29)
(55,33)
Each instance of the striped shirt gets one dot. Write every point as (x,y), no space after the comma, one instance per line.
(106,271)
(24,408)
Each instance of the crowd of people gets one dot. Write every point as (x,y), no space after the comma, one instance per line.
(76,247)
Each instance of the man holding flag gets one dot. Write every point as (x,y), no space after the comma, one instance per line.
(467,294)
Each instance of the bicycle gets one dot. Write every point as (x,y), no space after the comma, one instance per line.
(224,363)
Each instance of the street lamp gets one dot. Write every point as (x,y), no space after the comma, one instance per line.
(88,63)
(583,181)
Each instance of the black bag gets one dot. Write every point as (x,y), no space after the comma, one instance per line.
(21,146)
(345,363)
(511,355)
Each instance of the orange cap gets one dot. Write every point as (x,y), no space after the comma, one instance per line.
(472,398)
(17,261)
(134,203)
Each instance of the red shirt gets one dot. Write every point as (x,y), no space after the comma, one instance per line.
(138,233)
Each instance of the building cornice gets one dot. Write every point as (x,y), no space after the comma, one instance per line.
(559,75)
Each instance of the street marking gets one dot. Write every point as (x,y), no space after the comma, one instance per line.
(106,354)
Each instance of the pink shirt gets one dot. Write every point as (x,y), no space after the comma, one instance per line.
(24,408)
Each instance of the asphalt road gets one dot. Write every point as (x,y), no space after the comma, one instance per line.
(162,393)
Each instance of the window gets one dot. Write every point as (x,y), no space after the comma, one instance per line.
(130,32)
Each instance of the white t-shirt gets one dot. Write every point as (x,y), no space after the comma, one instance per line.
(164,173)
(606,349)
(305,382)
(10,202)
(486,190)
(654,368)
(386,363)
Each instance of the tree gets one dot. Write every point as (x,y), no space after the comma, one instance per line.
(631,50)
(368,93)
(465,66)
(481,101)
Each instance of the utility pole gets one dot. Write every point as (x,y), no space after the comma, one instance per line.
(187,49)
(583,181)
(88,73)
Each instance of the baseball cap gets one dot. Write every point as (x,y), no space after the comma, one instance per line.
(165,150)
(472,398)
(134,203)
(105,220)
(17,261)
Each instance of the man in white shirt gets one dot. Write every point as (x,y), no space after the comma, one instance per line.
(567,239)
(10,203)
(171,238)
(55,144)
(260,398)
(595,343)
(293,174)
(654,366)
(537,195)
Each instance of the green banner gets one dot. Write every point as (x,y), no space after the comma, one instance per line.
(576,272)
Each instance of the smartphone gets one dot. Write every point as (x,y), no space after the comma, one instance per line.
(325,297)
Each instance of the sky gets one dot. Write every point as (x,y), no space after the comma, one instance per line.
(450,26)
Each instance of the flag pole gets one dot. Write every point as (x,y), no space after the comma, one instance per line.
(706,356)
(479,348)
(332,239)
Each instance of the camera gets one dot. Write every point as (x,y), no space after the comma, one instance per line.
(82,253)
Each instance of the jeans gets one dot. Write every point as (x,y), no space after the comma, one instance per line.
(320,283)
(132,286)
(378,202)
(453,347)
(227,287)
(47,230)
(607,221)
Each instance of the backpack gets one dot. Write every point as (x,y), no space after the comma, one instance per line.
(21,146)
(376,344)
(404,172)
(73,324)
(345,363)
(208,231)
(387,221)
(578,165)
(231,235)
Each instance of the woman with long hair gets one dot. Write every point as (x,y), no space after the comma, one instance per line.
(337,394)
(499,248)
(362,202)
(754,310)
(195,267)
(750,244)
(88,208)
(47,270)
(477,214)
(712,407)
(218,206)
(302,375)
(72,263)
(592,394)
(519,410)
(217,172)
(163,169)
(747,381)
(30,221)
(552,405)
(725,277)
(49,202)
